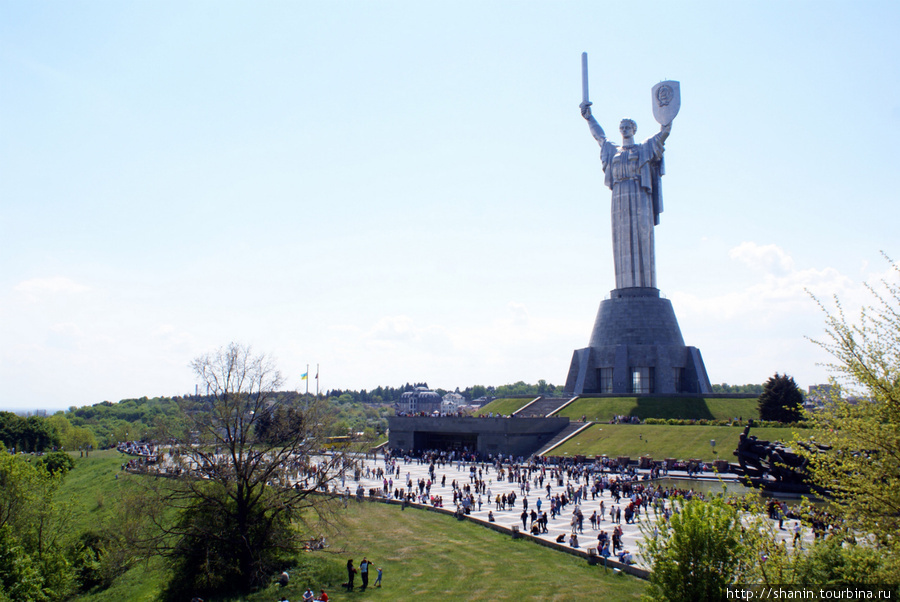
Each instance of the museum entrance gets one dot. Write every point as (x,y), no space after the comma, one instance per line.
(446,441)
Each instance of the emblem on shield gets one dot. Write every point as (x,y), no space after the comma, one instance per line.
(666,101)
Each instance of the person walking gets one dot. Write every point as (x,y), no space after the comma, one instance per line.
(798,530)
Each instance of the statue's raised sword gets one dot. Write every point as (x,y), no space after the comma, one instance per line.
(584,83)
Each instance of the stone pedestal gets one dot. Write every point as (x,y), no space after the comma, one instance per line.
(636,347)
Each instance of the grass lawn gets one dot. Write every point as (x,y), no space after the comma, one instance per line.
(504,406)
(425,555)
(605,408)
(431,556)
(663,441)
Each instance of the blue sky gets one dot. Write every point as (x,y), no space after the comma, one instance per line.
(406,191)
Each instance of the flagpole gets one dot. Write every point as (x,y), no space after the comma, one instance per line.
(307,380)
(317,381)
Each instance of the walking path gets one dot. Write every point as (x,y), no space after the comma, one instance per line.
(414,471)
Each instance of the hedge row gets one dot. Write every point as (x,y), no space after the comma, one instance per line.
(705,422)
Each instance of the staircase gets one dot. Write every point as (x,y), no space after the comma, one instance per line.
(542,407)
(570,431)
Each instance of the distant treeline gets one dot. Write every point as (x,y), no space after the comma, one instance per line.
(392,394)
(29,434)
(748,389)
(106,423)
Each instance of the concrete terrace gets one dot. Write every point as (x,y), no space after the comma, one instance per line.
(506,520)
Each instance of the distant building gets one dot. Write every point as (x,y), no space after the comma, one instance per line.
(820,393)
(482,401)
(453,402)
(420,401)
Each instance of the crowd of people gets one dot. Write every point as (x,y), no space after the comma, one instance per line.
(536,491)
(137,448)
(620,419)
(542,491)
(436,414)
(145,455)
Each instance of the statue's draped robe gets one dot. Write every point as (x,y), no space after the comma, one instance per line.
(633,173)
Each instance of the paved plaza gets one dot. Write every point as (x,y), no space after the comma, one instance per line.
(414,470)
(530,494)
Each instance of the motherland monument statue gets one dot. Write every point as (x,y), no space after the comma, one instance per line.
(636,345)
(633,172)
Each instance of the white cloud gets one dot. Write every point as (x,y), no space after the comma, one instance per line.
(518,313)
(56,285)
(768,258)
(765,326)
(67,329)
(778,289)
(392,328)
(170,339)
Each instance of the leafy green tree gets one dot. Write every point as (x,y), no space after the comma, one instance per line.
(10,428)
(781,399)
(31,434)
(859,426)
(72,438)
(697,553)
(32,524)
(476,391)
(832,563)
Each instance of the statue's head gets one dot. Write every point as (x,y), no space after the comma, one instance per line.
(628,124)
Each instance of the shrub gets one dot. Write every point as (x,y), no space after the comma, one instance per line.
(697,553)
(20,577)
(57,463)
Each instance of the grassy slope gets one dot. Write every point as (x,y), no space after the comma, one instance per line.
(93,489)
(504,406)
(662,441)
(604,408)
(425,555)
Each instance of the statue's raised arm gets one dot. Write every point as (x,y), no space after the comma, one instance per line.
(596,131)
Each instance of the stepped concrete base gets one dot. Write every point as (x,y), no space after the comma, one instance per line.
(637,330)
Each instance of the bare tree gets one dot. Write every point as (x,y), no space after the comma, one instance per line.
(247,480)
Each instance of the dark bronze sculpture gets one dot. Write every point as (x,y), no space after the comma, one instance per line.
(772,466)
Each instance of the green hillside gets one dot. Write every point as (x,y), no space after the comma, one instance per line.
(504,406)
(603,409)
(664,441)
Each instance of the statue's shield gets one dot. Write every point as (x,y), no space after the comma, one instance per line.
(666,101)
